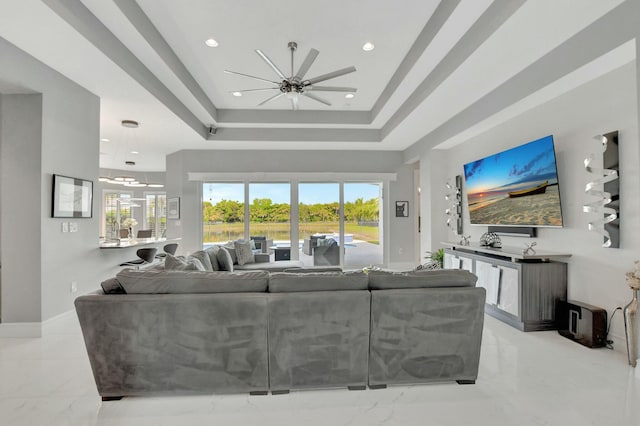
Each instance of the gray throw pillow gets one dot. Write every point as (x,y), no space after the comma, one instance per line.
(173,263)
(112,286)
(231,248)
(224,259)
(244,252)
(203,257)
(213,257)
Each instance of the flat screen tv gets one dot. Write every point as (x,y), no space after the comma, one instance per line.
(516,187)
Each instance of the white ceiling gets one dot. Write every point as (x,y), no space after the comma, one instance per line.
(147,61)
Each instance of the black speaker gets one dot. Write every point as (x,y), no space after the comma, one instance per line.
(582,323)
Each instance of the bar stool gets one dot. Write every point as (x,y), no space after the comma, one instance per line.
(170,248)
(145,256)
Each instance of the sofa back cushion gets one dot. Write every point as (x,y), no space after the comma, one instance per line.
(285,282)
(224,259)
(204,258)
(180,263)
(244,253)
(170,282)
(213,257)
(381,280)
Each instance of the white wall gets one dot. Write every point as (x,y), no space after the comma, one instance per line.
(402,231)
(62,139)
(596,274)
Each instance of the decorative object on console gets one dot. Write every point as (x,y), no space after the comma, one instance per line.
(490,239)
(454,208)
(529,248)
(631,315)
(129,223)
(402,209)
(607,206)
(464,240)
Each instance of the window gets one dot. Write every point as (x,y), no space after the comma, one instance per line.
(222,212)
(114,213)
(270,211)
(156,213)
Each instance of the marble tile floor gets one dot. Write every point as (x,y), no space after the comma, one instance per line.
(525,379)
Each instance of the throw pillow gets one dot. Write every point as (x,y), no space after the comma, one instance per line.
(203,257)
(244,252)
(112,286)
(231,248)
(174,263)
(213,252)
(253,244)
(224,259)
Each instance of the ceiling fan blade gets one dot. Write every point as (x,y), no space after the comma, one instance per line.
(308,61)
(253,90)
(331,89)
(317,98)
(251,76)
(294,103)
(330,75)
(271,64)
(271,99)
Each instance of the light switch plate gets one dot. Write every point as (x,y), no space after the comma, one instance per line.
(65,226)
(73,226)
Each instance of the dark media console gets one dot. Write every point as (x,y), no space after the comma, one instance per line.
(522,289)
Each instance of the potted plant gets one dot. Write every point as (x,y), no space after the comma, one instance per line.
(436,257)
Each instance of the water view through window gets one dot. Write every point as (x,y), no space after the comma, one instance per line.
(222,212)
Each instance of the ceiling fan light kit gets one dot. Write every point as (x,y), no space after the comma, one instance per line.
(295,85)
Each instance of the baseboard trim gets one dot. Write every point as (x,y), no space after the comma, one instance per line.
(21,329)
(31,329)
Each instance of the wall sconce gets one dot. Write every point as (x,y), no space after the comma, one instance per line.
(606,187)
(454,205)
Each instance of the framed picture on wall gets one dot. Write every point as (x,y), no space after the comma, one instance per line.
(173,208)
(402,209)
(71,197)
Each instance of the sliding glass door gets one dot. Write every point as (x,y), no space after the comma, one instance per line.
(362,225)
(270,212)
(319,223)
(222,212)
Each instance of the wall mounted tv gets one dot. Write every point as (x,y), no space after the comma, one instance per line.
(516,187)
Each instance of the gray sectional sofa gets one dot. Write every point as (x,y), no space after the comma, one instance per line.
(183,332)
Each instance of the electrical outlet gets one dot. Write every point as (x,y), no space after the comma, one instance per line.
(74,286)
(65,226)
(400,251)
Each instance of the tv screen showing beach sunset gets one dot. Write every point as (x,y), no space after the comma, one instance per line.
(516,187)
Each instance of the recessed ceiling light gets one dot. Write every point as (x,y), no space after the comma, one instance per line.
(237,94)
(349,96)
(368,46)
(135,152)
(211,42)
(105,140)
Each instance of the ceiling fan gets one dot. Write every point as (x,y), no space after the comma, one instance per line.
(296,84)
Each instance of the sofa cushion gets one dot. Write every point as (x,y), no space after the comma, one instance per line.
(213,252)
(311,269)
(231,248)
(112,286)
(278,266)
(180,263)
(380,280)
(244,253)
(286,282)
(224,259)
(136,282)
(204,258)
